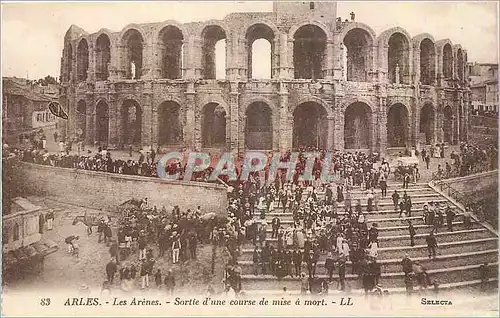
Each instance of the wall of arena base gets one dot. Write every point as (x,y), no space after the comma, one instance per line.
(99,190)
(474,183)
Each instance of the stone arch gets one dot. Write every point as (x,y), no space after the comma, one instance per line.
(322,26)
(69,61)
(460,65)
(397,41)
(310,125)
(440,47)
(262,99)
(81,119)
(358,25)
(213,125)
(102,122)
(383,38)
(259,125)
(160,26)
(130,122)
(259,31)
(217,100)
(102,55)
(82,59)
(398,125)
(170,44)
(169,123)
(210,36)
(358,41)
(313,99)
(447,61)
(133,41)
(309,51)
(427,57)
(357,126)
(427,122)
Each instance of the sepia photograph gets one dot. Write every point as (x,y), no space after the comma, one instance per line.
(250,158)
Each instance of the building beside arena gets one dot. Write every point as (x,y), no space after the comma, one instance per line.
(333,84)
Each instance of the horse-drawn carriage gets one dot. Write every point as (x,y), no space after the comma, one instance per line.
(403,165)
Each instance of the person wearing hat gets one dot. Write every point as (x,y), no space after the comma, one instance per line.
(330,265)
(342,273)
(176,247)
(142,245)
(111,269)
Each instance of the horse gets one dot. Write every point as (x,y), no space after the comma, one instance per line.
(89,221)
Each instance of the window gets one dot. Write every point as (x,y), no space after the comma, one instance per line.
(311,5)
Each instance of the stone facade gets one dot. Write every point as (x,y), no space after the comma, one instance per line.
(334,84)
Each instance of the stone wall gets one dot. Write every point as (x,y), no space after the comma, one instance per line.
(105,190)
(474,183)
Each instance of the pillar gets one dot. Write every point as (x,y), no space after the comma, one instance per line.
(338,129)
(189,126)
(147,116)
(114,135)
(328,72)
(197,56)
(234,123)
(382,125)
(285,129)
(284,57)
(331,133)
(337,62)
(291,66)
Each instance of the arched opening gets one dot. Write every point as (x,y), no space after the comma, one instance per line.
(427,62)
(427,123)
(15,232)
(309,46)
(259,128)
(81,119)
(103,57)
(131,122)
(260,48)
(213,38)
(398,59)
(358,43)
(169,124)
(447,124)
(102,121)
(398,126)
(357,126)
(447,61)
(69,61)
(213,126)
(310,126)
(133,42)
(460,65)
(82,60)
(171,52)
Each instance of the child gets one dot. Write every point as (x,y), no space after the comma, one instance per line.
(158,278)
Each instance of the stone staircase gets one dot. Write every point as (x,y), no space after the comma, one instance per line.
(460,252)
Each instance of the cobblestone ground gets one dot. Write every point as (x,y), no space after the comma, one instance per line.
(66,272)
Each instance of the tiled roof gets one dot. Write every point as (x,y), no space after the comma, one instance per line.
(10,86)
(25,253)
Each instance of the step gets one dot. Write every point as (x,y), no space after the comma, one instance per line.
(394,265)
(333,291)
(399,240)
(442,275)
(389,190)
(418,250)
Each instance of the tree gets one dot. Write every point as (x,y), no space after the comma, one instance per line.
(47,80)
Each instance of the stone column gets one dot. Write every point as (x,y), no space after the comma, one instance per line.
(92,65)
(89,120)
(187,70)
(328,72)
(383,64)
(285,130)
(114,135)
(234,145)
(284,61)
(190,118)
(275,57)
(147,116)
(148,61)
(337,61)
(197,54)
(382,126)
(117,55)
(155,65)
(331,133)
(416,64)
(233,57)
(338,128)
(291,66)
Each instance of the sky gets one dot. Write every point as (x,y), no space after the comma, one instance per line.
(32,33)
